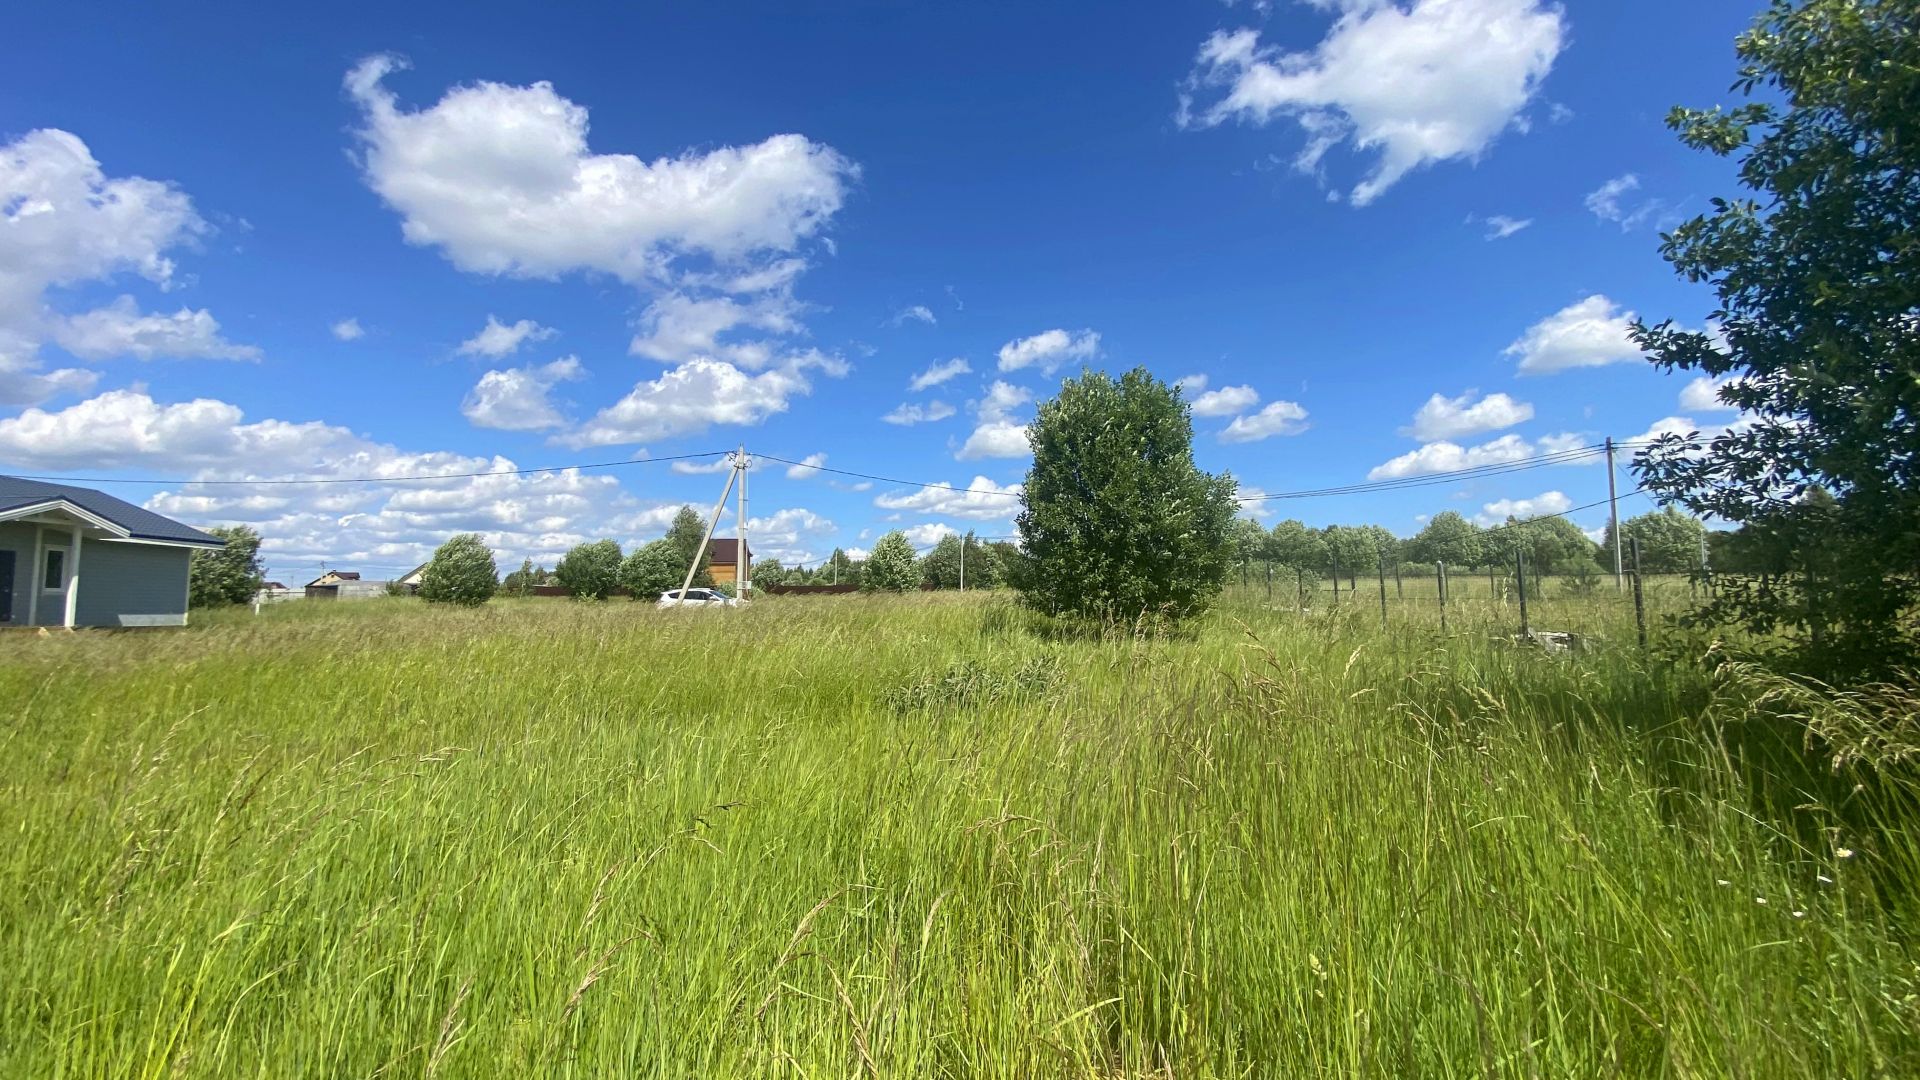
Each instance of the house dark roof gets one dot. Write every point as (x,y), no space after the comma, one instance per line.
(142,524)
(726,552)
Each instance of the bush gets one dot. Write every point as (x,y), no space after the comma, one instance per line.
(590,571)
(1119,522)
(230,575)
(653,569)
(462,571)
(892,566)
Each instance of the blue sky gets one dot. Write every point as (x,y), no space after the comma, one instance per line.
(254,244)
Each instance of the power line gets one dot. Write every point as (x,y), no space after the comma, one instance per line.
(380,479)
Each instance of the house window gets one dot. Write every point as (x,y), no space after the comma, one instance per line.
(55,577)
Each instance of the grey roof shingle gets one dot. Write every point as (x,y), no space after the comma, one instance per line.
(144,524)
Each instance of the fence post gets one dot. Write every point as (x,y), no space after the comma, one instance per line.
(1520,566)
(1639,598)
(1336,580)
(1269,581)
(1383,590)
(1493,591)
(1300,587)
(1399,592)
(1440,578)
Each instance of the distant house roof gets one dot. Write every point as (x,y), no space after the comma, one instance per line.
(333,577)
(17,492)
(273,585)
(727,552)
(413,576)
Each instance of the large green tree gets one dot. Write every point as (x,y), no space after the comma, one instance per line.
(1118,521)
(1293,544)
(653,569)
(229,575)
(1669,542)
(590,571)
(941,567)
(1448,538)
(1817,272)
(685,534)
(462,571)
(892,566)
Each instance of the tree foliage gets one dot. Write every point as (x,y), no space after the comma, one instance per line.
(590,571)
(653,569)
(1669,542)
(1817,274)
(1118,521)
(892,566)
(1292,543)
(462,571)
(230,575)
(685,534)
(1448,538)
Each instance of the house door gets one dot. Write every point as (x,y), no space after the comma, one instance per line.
(6,586)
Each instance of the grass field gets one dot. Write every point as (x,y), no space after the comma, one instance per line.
(835,837)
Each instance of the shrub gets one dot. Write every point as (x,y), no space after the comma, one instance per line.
(1119,522)
(590,571)
(230,575)
(462,571)
(892,566)
(653,569)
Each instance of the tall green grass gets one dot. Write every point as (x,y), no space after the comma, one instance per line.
(851,836)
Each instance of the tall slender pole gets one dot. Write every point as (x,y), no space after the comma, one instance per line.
(1520,567)
(963,561)
(1383,590)
(1440,577)
(712,524)
(1613,501)
(1336,579)
(1639,600)
(743,559)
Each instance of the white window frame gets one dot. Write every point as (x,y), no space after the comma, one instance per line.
(46,560)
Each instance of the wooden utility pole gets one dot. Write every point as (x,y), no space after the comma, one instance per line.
(743,562)
(712,524)
(1440,577)
(1613,501)
(1520,565)
(1383,590)
(1639,598)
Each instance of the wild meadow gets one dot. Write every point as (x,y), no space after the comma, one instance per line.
(921,836)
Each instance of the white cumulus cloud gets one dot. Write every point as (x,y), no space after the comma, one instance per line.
(915,313)
(65,222)
(120,329)
(1450,418)
(1419,81)
(348,330)
(520,399)
(498,340)
(939,373)
(1498,511)
(808,468)
(689,399)
(1703,393)
(1444,456)
(500,178)
(1226,401)
(907,413)
(1590,333)
(981,500)
(1049,349)
(1278,418)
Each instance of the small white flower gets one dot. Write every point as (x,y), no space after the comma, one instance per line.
(1845,852)
(1799,914)
(1759,899)
(1823,879)
(1722,882)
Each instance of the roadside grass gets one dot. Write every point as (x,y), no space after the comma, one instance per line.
(909,837)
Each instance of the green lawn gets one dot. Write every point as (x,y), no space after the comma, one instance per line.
(848,836)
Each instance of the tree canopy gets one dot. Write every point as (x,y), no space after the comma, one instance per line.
(653,569)
(462,571)
(1817,275)
(230,575)
(892,566)
(1669,542)
(685,534)
(1118,521)
(1448,538)
(590,571)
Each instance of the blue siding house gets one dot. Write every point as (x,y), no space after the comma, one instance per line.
(73,556)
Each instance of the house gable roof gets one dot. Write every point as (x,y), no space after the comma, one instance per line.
(726,552)
(140,524)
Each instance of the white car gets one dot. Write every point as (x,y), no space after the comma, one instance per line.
(697,598)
